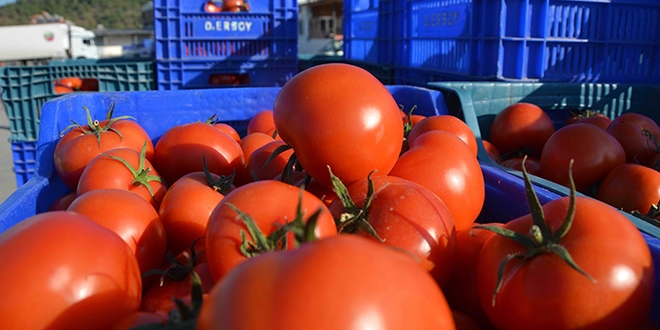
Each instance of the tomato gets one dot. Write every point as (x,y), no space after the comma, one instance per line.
(140,318)
(532,165)
(235,6)
(63,202)
(447,123)
(81,144)
(464,321)
(638,135)
(182,149)
(461,289)
(405,215)
(324,193)
(62,89)
(160,298)
(442,162)
(186,208)
(249,144)
(229,130)
(72,82)
(341,116)
(521,128)
(492,151)
(595,151)
(90,84)
(211,7)
(262,122)
(261,167)
(613,291)
(340,282)
(131,217)
(270,204)
(66,272)
(631,187)
(597,119)
(108,171)
(414,119)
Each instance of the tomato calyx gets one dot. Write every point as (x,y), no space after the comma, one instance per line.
(223,184)
(541,239)
(278,240)
(178,271)
(141,176)
(355,219)
(292,165)
(94,126)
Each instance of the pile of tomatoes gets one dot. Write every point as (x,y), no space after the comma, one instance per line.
(73,84)
(615,161)
(336,210)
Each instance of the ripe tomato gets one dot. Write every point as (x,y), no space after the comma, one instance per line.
(229,130)
(405,215)
(107,171)
(341,116)
(211,7)
(63,202)
(545,291)
(461,289)
(130,217)
(63,89)
(532,165)
(631,187)
(315,287)
(182,149)
(637,134)
(235,6)
(262,122)
(81,144)
(447,123)
(442,162)
(160,298)
(265,169)
(140,318)
(270,204)
(72,82)
(249,144)
(492,151)
(186,208)
(66,272)
(521,128)
(589,117)
(90,85)
(595,151)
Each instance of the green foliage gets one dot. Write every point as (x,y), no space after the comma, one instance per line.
(113,14)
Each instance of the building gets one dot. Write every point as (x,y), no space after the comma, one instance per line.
(320,27)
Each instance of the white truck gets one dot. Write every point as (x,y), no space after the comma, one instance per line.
(39,43)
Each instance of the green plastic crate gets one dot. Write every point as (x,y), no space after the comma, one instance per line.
(26,88)
(480,102)
(384,73)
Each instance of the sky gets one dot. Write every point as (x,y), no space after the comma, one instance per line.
(4,2)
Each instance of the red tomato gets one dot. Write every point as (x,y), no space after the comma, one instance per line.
(631,187)
(211,7)
(492,151)
(442,162)
(464,321)
(324,193)
(521,128)
(597,119)
(186,208)
(90,84)
(341,116)
(271,204)
(249,144)
(545,291)
(637,134)
(160,298)
(181,150)
(72,82)
(447,123)
(406,215)
(229,130)
(62,89)
(62,203)
(262,122)
(531,165)
(261,167)
(461,289)
(66,272)
(79,145)
(131,217)
(235,6)
(107,171)
(595,151)
(315,287)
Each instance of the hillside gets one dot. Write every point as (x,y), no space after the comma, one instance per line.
(113,14)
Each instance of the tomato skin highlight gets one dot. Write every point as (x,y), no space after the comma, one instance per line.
(79,275)
(620,298)
(340,282)
(339,116)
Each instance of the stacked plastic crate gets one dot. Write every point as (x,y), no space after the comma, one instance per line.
(198,45)
(26,88)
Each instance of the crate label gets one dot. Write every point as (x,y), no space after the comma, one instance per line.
(228,26)
(449,21)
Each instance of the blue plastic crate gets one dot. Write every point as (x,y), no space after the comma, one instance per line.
(26,88)
(189,40)
(533,40)
(24,154)
(480,102)
(368,27)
